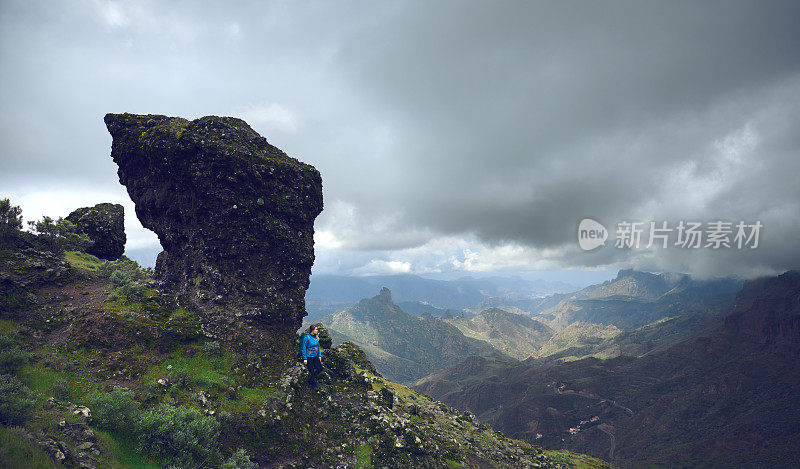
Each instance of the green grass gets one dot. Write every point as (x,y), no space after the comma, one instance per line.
(8,327)
(248,400)
(575,460)
(203,371)
(39,378)
(54,364)
(363,456)
(125,306)
(83,261)
(121,453)
(212,374)
(17,452)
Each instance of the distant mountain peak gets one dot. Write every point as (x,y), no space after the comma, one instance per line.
(385,295)
(634,273)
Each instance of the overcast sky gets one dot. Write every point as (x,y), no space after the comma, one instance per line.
(452,137)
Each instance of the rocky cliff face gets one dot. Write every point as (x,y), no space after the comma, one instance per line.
(234,214)
(104,224)
(768,309)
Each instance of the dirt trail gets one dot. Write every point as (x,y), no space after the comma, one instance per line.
(82,293)
(83,296)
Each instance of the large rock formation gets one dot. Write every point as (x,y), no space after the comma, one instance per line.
(235,216)
(105,225)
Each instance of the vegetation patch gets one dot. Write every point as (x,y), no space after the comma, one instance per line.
(17,401)
(16,450)
(82,260)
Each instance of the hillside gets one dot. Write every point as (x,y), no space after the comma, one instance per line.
(634,299)
(404,347)
(634,314)
(195,364)
(724,399)
(513,334)
(96,366)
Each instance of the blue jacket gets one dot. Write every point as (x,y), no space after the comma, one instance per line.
(309,346)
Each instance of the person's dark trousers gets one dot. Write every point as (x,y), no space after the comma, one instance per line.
(314,366)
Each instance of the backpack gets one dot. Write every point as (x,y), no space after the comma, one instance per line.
(300,346)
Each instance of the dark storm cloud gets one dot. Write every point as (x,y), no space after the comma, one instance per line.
(516,121)
(440,124)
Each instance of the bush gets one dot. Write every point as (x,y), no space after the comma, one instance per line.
(19,449)
(120,278)
(116,411)
(129,271)
(61,390)
(212,349)
(11,356)
(125,274)
(239,460)
(179,435)
(60,234)
(17,402)
(10,219)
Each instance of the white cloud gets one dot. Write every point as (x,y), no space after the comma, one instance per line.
(378,267)
(120,14)
(144,17)
(111,12)
(481,258)
(235,30)
(326,240)
(269,117)
(58,202)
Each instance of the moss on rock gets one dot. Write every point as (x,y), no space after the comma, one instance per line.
(104,224)
(235,216)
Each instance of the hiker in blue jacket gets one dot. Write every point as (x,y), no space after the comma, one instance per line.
(312,355)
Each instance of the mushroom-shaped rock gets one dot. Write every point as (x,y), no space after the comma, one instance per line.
(235,216)
(105,225)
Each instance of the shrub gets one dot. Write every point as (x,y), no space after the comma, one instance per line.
(60,234)
(17,402)
(19,449)
(179,435)
(212,349)
(120,278)
(116,411)
(61,390)
(127,268)
(125,274)
(10,219)
(11,356)
(239,460)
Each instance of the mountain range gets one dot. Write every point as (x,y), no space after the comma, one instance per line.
(329,293)
(513,334)
(724,398)
(633,314)
(404,347)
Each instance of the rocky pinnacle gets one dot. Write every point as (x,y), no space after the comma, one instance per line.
(235,217)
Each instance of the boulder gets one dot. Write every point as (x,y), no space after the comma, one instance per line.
(235,216)
(105,225)
(324,336)
(353,353)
